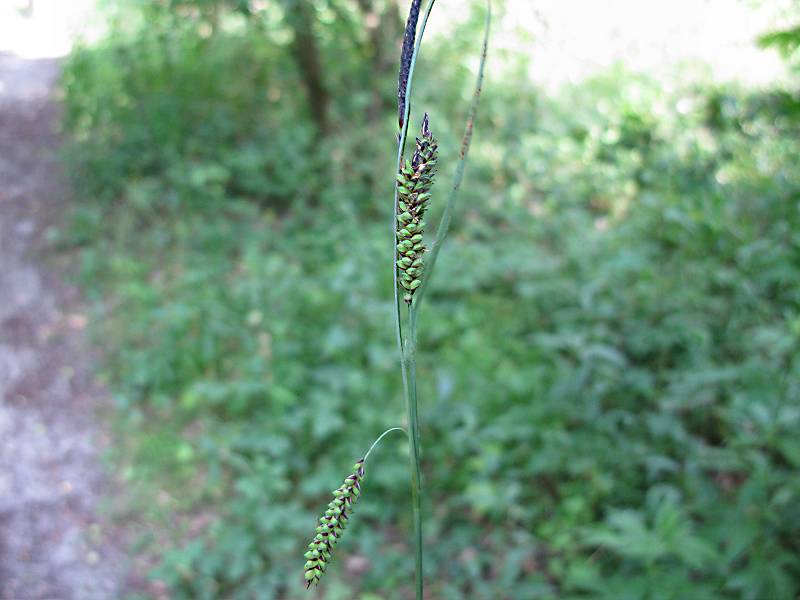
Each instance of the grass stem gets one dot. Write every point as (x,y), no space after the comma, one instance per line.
(415,447)
(407,344)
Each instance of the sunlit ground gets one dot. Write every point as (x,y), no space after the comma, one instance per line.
(565,40)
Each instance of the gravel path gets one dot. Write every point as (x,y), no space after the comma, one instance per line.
(53,544)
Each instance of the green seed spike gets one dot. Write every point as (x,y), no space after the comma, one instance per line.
(414,184)
(332,524)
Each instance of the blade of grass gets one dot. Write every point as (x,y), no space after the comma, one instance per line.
(458,176)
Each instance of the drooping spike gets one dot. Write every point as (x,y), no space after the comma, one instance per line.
(331,525)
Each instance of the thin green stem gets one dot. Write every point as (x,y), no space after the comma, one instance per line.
(416,450)
(380,437)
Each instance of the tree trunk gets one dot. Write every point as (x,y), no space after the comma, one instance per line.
(300,17)
(384,27)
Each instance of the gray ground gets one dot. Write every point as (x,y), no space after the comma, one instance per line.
(53,543)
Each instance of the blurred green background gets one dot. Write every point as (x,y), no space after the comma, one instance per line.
(609,351)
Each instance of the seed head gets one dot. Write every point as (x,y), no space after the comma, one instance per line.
(414,183)
(405,57)
(331,525)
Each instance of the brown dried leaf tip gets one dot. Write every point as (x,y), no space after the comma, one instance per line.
(332,524)
(414,183)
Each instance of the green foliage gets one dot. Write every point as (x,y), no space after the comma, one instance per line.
(181,119)
(787,40)
(613,405)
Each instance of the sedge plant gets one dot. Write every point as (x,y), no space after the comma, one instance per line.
(412,268)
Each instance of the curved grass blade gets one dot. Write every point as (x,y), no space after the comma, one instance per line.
(447,215)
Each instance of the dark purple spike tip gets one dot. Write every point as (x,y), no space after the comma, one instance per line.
(405,57)
(426,131)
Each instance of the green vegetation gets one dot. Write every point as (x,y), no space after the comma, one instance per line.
(610,366)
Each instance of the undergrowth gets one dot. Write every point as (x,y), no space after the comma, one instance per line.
(615,326)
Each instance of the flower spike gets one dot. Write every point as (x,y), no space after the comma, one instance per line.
(331,525)
(414,183)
